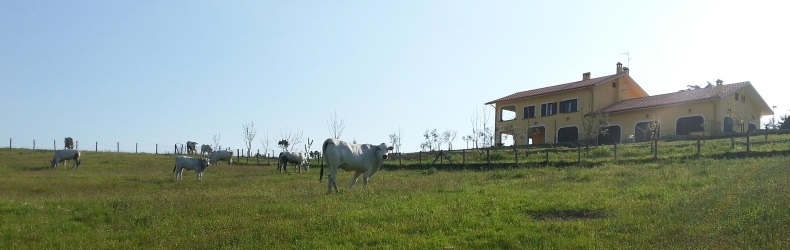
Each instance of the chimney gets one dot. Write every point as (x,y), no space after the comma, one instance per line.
(619,68)
(719,87)
(625,69)
(586,76)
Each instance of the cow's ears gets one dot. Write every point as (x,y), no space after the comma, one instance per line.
(390,148)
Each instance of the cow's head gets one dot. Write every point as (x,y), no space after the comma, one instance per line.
(205,162)
(383,150)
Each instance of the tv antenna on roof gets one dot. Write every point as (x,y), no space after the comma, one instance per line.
(628,58)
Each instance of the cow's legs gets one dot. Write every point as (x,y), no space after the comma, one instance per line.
(354,179)
(332,176)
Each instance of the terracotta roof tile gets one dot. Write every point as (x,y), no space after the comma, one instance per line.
(672,98)
(555,88)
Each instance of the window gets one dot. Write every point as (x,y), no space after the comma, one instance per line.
(548,109)
(614,85)
(743,98)
(736,96)
(529,112)
(568,106)
(507,113)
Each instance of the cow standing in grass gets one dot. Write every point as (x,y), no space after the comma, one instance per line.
(199,165)
(191,147)
(205,150)
(293,157)
(61,156)
(219,155)
(361,158)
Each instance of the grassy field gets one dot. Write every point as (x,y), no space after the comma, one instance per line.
(117,200)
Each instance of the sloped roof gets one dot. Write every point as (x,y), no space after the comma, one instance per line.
(673,98)
(556,88)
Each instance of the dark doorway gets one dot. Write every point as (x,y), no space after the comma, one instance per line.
(568,134)
(611,136)
(688,125)
(643,132)
(728,125)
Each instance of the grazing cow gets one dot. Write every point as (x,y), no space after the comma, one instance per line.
(361,158)
(66,154)
(191,147)
(219,155)
(205,149)
(293,157)
(68,143)
(185,162)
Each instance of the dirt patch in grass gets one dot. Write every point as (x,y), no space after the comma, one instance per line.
(567,214)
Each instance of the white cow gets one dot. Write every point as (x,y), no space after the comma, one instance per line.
(66,154)
(219,155)
(191,147)
(205,149)
(185,162)
(293,157)
(361,158)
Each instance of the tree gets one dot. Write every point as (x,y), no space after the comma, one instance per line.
(265,142)
(436,139)
(467,139)
(784,124)
(249,135)
(289,139)
(448,136)
(335,127)
(216,142)
(428,144)
(594,125)
(395,139)
(483,134)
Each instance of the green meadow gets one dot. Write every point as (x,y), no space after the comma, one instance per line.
(124,200)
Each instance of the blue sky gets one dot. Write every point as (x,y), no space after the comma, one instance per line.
(166,72)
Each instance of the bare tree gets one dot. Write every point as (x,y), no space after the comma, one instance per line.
(483,135)
(289,139)
(448,136)
(265,142)
(428,144)
(335,127)
(249,135)
(216,142)
(436,139)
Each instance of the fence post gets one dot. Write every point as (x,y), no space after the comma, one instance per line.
(655,149)
(77,144)
(135,147)
(488,158)
(157,149)
(237,155)
(420,158)
(732,141)
(34,144)
(515,151)
(547,157)
(698,147)
(9,142)
(258,161)
(748,141)
(615,151)
(97,147)
(579,155)
(117,147)
(54,145)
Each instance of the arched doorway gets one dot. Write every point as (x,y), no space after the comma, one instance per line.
(568,134)
(643,132)
(537,135)
(688,125)
(611,136)
(728,125)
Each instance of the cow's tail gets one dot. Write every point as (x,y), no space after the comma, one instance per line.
(323,154)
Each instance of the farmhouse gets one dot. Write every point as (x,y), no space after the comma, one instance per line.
(614,109)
